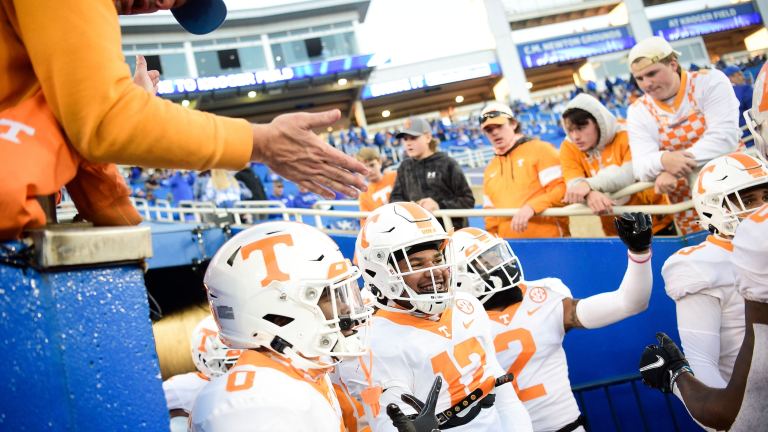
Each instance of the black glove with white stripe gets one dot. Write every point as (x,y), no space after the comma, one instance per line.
(661,365)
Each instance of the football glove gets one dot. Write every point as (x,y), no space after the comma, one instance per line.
(635,230)
(425,420)
(661,365)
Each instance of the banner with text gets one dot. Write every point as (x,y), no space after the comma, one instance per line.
(575,47)
(705,22)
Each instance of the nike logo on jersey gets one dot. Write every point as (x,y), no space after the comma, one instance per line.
(654,365)
(531,312)
(466,325)
(491,176)
(609,159)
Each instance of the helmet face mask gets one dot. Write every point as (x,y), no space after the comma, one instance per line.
(721,188)
(407,260)
(286,287)
(487,265)
(210,355)
(756,116)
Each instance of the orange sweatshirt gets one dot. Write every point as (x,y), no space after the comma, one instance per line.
(73,51)
(577,164)
(377,194)
(529,174)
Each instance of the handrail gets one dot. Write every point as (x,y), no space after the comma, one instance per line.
(259,203)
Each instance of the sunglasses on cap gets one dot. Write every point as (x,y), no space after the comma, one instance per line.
(492,114)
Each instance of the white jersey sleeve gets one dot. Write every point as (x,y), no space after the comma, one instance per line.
(181,390)
(750,256)
(717,101)
(643,133)
(696,268)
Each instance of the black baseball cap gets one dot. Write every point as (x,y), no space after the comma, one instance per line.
(201,16)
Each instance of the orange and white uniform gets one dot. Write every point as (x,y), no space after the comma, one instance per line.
(607,167)
(530,173)
(352,410)
(181,390)
(377,194)
(750,256)
(262,392)
(703,119)
(528,339)
(409,352)
(710,313)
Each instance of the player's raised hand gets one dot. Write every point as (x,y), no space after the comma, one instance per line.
(425,420)
(635,230)
(660,365)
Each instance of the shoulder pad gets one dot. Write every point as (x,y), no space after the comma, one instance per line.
(551,284)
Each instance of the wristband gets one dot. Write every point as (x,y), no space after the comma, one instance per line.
(650,254)
(676,375)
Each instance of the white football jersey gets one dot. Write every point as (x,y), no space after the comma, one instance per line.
(262,393)
(711,337)
(528,337)
(352,410)
(750,256)
(181,390)
(410,352)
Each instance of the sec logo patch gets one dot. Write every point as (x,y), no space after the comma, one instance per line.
(465,306)
(538,295)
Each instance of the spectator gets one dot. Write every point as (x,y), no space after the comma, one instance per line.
(222,189)
(152,182)
(596,160)
(683,121)
(180,184)
(386,162)
(430,178)
(534,128)
(305,198)
(525,174)
(277,195)
(50,50)
(742,90)
(252,182)
(198,186)
(379,185)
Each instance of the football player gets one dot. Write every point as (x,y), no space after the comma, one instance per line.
(710,313)
(740,406)
(425,334)
(284,294)
(212,359)
(530,319)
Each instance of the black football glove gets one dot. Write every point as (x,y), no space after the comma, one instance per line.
(425,420)
(635,230)
(660,365)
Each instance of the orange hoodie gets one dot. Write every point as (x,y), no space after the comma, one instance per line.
(529,174)
(72,50)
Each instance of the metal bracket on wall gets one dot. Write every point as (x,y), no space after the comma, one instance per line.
(198,231)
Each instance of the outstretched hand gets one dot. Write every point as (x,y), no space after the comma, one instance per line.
(292,150)
(661,364)
(425,420)
(635,230)
(143,78)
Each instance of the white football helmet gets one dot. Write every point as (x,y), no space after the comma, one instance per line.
(485,264)
(389,235)
(719,178)
(756,116)
(209,353)
(286,286)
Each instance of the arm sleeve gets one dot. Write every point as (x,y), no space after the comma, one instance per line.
(644,143)
(462,193)
(551,179)
(512,413)
(573,171)
(718,102)
(75,51)
(612,178)
(630,299)
(698,321)
(398,192)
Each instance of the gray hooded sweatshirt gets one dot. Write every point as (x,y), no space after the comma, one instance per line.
(609,178)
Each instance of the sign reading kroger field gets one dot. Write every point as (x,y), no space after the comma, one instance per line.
(575,47)
(245,79)
(704,22)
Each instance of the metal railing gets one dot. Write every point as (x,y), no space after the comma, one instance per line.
(579,390)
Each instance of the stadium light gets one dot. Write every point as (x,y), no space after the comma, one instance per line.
(757,40)
(251,94)
(343,81)
(385,113)
(529,85)
(185,103)
(330,129)
(459,99)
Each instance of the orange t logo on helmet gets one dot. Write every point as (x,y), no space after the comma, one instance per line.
(267,248)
